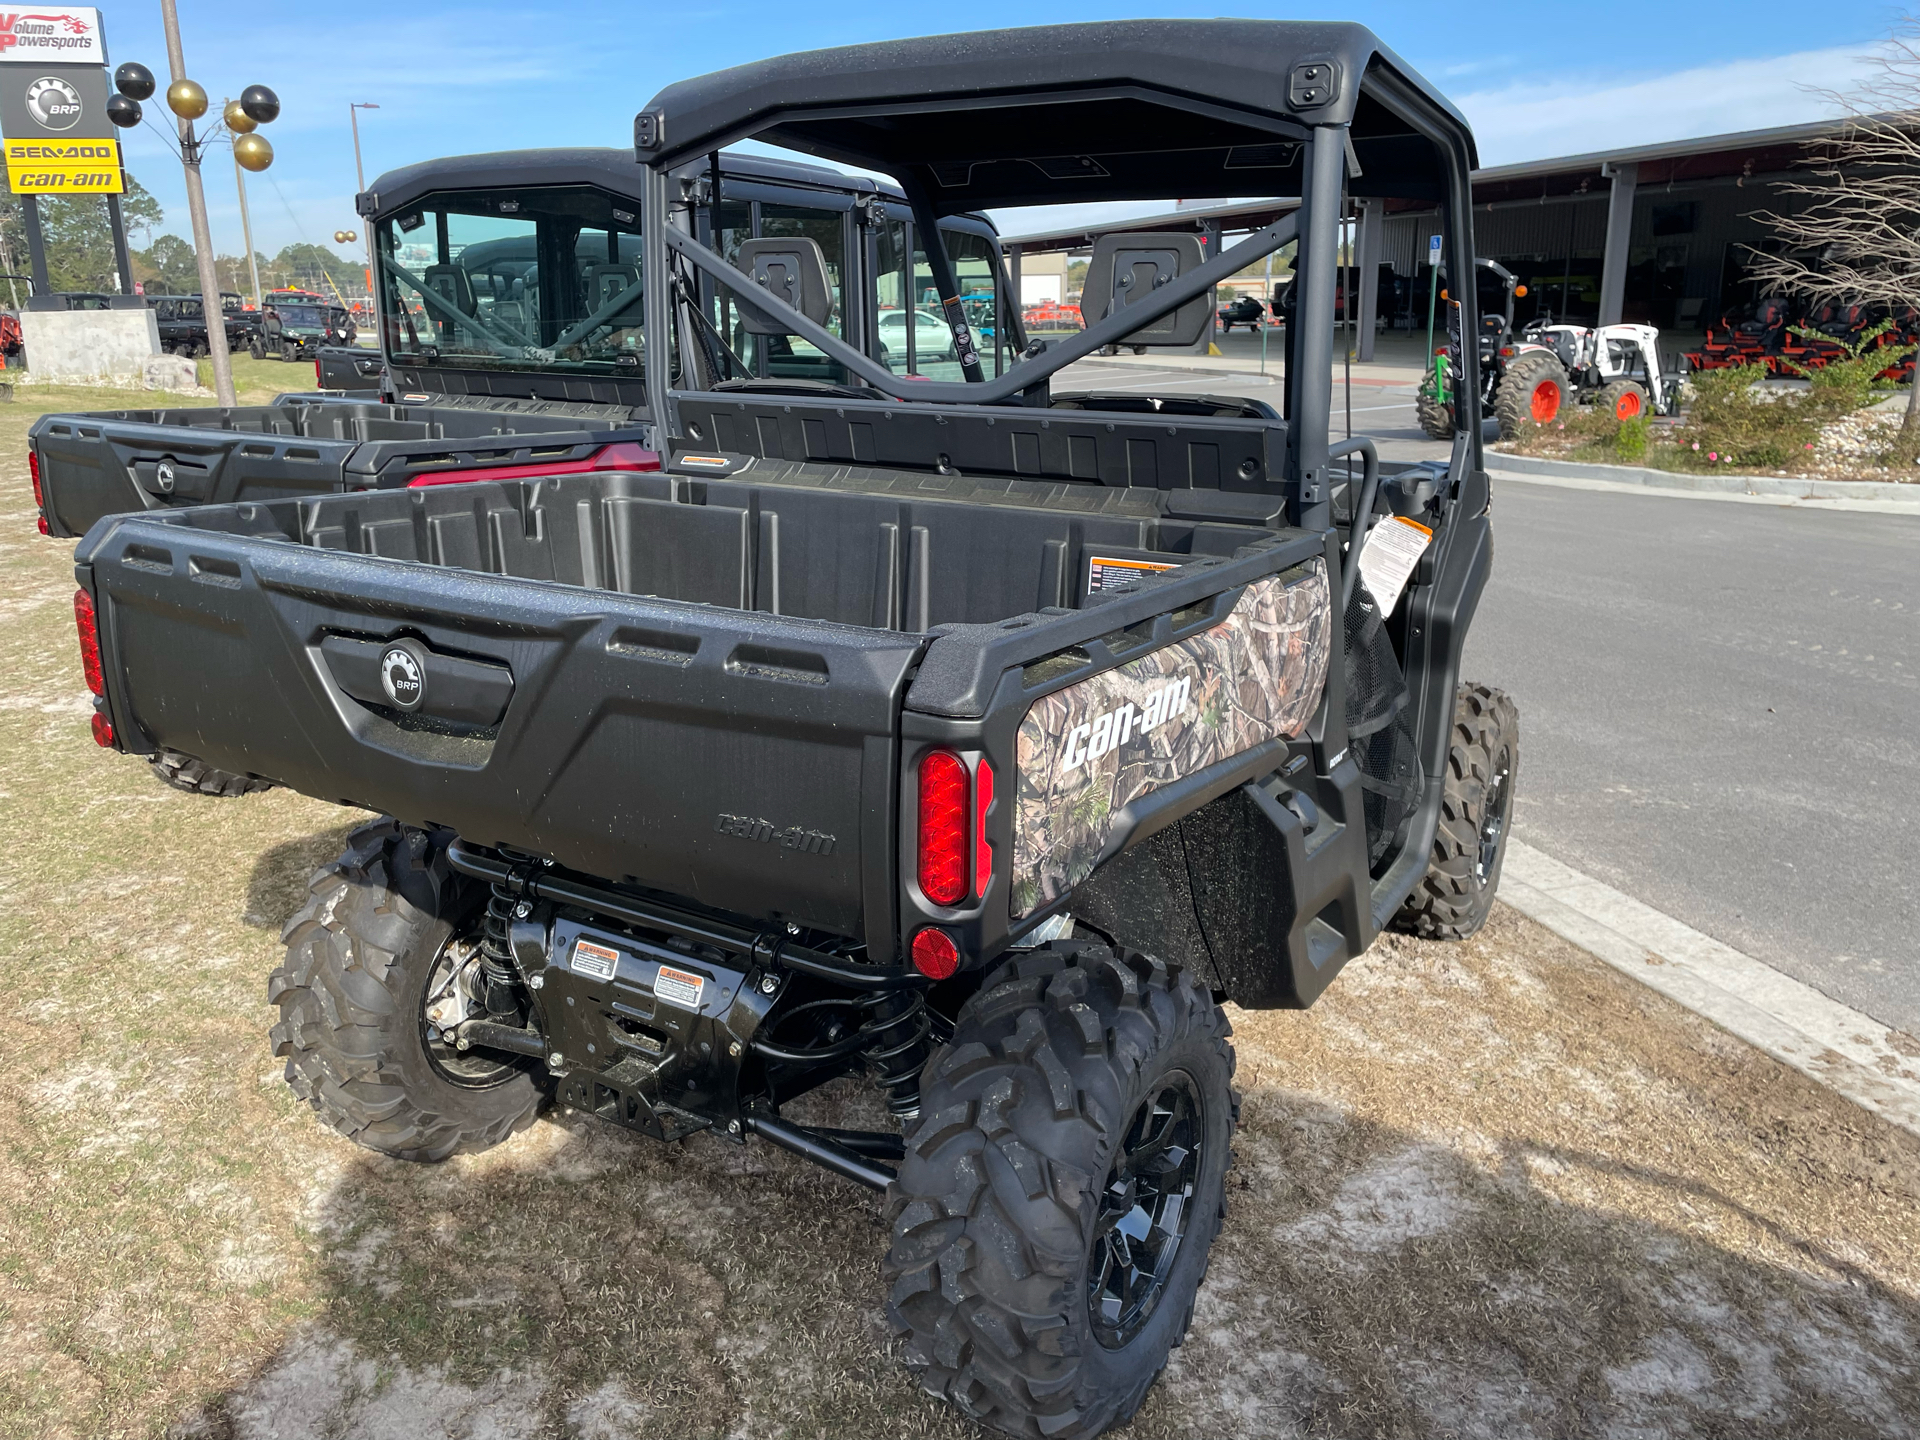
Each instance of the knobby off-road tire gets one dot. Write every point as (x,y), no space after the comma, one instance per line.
(1007,1188)
(1454,897)
(1623,400)
(196,777)
(1434,415)
(359,955)
(1532,393)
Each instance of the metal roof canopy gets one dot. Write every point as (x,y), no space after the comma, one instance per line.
(1114,110)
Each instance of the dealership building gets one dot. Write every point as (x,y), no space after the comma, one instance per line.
(1653,233)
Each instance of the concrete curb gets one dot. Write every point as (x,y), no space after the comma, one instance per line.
(1734,484)
(1830,1043)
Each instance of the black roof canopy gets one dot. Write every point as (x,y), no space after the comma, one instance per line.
(1116,110)
(606,168)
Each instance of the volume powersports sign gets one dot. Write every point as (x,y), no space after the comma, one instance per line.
(53,104)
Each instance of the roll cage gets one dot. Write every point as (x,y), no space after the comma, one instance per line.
(1129,110)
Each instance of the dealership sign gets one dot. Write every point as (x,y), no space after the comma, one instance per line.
(70,167)
(60,37)
(53,104)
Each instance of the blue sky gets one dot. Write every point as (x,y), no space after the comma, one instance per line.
(1535,79)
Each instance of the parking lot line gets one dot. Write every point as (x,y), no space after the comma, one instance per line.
(1853,1054)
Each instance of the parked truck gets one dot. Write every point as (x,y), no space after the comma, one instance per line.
(976,737)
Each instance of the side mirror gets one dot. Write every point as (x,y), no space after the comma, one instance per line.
(792,270)
(1126,269)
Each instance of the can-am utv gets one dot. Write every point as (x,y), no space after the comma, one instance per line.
(943,727)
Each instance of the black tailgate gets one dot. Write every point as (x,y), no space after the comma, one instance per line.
(736,758)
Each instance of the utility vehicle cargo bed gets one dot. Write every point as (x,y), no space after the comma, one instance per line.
(113,462)
(698,686)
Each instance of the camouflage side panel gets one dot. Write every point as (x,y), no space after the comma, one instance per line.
(1086,752)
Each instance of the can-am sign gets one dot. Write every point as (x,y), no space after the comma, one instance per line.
(64,36)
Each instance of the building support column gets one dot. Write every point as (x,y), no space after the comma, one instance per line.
(1613,259)
(1367,277)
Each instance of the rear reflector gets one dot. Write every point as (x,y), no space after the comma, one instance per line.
(625,455)
(934,954)
(102,731)
(89,625)
(45,529)
(944,832)
(982,852)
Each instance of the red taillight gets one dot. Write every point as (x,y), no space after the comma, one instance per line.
(318,383)
(944,832)
(102,731)
(33,473)
(89,624)
(45,529)
(625,455)
(982,852)
(934,954)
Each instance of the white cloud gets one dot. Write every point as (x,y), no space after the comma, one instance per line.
(1543,118)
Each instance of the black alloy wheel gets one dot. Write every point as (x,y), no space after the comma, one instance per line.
(1144,1209)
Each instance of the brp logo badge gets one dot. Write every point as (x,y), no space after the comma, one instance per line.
(53,103)
(403,677)
(163,476)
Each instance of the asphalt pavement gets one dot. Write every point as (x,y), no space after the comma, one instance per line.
(1720,703)
(1718,708)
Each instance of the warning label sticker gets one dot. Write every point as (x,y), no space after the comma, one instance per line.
(679,987)
(595,960)
(1392,549)
(1110,572)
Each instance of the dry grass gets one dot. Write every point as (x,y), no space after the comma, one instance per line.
(1487,1189)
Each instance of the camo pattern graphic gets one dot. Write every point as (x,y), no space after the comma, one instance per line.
(1086,752)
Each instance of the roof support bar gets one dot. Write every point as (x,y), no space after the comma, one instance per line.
(1314,267)
(927,227)
(1115,328)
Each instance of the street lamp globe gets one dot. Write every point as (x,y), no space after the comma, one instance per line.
(186,99)
(252,152)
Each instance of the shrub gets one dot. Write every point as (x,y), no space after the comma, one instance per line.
(1630,439)
(1732,419)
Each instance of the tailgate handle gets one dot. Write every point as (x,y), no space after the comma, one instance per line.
(408,676)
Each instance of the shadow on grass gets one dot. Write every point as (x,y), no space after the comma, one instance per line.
(583,1281)
(278,885)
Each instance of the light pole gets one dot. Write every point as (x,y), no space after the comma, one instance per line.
(354,108)
(188,101)
(240,183)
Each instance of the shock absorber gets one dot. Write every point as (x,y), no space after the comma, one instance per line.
(500,975)
(899,1039)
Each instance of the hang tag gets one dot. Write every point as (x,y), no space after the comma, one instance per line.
(1387,557)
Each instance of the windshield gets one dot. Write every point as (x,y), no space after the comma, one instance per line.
(306,315)
(538,278)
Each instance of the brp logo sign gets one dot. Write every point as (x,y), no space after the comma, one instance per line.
(403,677)
(163,476)
(53,103)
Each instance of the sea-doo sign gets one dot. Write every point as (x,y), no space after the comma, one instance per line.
(65,36)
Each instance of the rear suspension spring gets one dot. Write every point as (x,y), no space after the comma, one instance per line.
(900,1037)
(498,969)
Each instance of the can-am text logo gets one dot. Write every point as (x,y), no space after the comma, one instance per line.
(53,103)
(1088,742)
